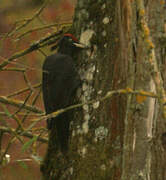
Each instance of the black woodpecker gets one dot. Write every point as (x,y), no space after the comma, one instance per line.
(59,84)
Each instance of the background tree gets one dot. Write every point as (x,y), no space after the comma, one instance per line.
(118,131)
(119,138)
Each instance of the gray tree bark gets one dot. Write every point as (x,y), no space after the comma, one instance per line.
(123,136)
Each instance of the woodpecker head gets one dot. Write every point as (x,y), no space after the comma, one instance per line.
(68,44)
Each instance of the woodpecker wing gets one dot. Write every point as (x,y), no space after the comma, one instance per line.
(60,81)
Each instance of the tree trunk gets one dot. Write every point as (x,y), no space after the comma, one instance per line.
(119,138)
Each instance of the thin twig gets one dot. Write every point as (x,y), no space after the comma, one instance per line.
(14,69)
(27,21)
(25,67)
(19,104)
(38,44)
(44,27)
(42,52)
(26,134)
(23,90)
(107,96)
(33,103)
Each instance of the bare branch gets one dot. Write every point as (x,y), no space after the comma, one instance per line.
(14,69)
(33,103)
(109,94)
(26,134)
(19,104)
(41,43)
(23,90)
(44,27)
(28,20)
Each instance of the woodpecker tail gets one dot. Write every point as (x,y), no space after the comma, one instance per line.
(59,126)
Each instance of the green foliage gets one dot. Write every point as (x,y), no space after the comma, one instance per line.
(23,165)
(28,144)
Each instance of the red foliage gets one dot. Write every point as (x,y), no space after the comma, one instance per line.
(67,6)
(50,14)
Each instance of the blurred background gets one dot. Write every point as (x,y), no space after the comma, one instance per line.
(19,27)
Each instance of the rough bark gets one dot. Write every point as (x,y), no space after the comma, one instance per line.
(119,138)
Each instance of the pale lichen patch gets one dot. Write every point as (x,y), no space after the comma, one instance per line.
(103,167)
(99,92)
(101,133)
(86,107)
(86,117)
(104,33)
(96,104)
(89,76)
(106,20)
(86,37)
(84,87)
(85,127)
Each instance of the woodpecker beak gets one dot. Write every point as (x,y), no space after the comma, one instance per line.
(80,45)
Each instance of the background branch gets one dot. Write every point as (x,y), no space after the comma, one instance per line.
(26,134)
(19,104)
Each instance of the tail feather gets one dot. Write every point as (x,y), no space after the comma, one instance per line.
(60,125)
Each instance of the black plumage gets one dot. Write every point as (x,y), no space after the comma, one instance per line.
(60,82)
